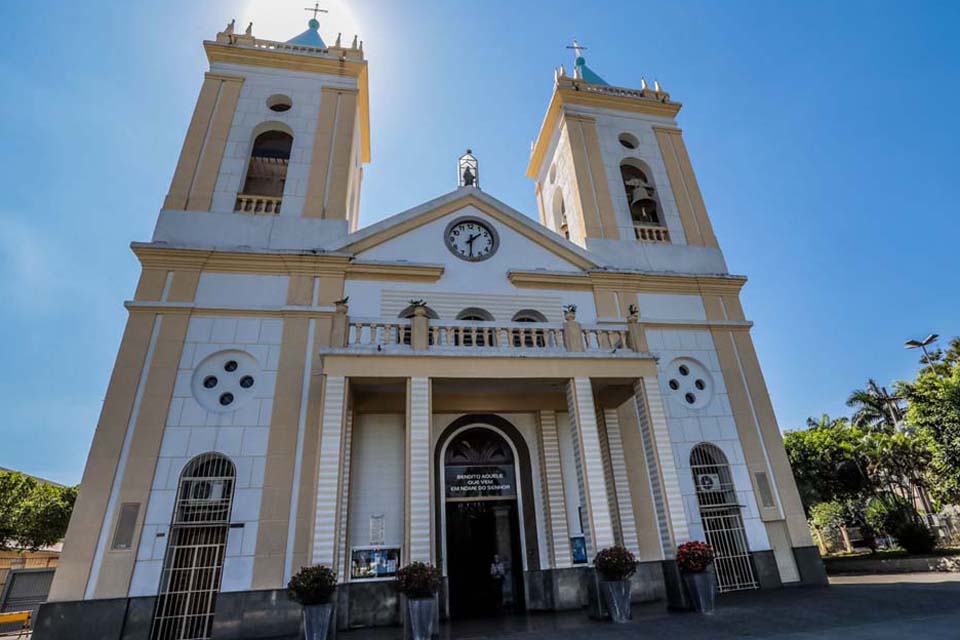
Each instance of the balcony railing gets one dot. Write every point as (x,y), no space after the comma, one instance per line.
(267,205)
(455,335)
(651,233)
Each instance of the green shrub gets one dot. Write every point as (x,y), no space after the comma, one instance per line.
(888,513)
(915,537)
(312,585)
(615,564)
(418,580)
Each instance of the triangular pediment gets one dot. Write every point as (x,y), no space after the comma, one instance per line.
(466,200)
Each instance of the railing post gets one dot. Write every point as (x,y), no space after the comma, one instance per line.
(340,328)
(636,336)
(420,328)
(572,331)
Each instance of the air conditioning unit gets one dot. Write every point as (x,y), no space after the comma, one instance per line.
(708,482)
(209,491)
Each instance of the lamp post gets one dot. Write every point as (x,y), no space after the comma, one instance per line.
(923,344)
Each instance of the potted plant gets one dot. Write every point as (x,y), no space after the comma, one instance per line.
(695,560)
(615,565)
(313,587)
(419,582)
(569,312)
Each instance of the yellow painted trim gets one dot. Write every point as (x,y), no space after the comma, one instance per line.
(638,282)
(569,96)
(426,365)
(461,202)
(170,258)
(686,190)
(591,188)
(200,197)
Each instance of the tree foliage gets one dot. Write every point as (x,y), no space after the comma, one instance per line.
(33,514)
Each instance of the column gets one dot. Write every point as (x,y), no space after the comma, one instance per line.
(332,427)
(618,464)
(417,512)
(662,469)
(586,441)
(556,511)
(344,549)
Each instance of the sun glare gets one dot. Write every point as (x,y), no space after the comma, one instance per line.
(283,19)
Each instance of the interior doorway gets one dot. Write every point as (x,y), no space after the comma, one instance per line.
(484,554)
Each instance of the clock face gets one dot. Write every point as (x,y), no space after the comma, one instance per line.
(471,239)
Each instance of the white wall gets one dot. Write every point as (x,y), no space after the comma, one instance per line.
(234,289)
(568,470)
(376,478)
(713,423)
(241,435)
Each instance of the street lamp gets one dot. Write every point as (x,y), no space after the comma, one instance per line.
(922,344)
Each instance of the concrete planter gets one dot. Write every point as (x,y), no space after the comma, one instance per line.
(702,590)
(316,621)
(616,596)
(421,612)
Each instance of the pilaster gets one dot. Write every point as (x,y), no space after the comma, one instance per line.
(332,426)
(417,510)
(555,509)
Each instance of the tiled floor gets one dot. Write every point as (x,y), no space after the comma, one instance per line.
(853,608)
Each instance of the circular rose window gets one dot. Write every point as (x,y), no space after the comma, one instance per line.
(225,380)
(689,383)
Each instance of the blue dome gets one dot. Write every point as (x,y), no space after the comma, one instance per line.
(310,37)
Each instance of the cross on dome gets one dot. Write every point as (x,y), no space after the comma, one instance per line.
(311,37)
(580,68)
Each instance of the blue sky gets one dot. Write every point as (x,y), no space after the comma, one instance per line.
(823,134)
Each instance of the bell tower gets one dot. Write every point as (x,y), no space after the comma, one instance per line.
(280,130)
(613,175)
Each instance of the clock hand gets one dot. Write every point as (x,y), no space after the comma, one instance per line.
(470,242)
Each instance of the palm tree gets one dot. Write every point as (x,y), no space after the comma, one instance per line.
(876,409)
(825,422)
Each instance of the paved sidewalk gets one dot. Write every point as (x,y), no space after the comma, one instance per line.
(892,607)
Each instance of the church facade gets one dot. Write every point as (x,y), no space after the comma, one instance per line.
(457,384)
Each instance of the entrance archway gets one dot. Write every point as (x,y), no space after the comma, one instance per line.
(483,478)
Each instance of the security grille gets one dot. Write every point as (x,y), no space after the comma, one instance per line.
(722,521)
(194,559)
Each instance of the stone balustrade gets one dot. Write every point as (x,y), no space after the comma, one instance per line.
(264,205)
(651,233)
(421,332)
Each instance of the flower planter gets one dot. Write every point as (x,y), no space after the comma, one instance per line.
(616,596)
(702,590)
(420,613)
(316,620)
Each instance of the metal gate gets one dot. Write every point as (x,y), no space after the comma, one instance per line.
(722,521)
(193,565)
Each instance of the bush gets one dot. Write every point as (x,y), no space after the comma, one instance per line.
(615,564)
(888,513)
(312,585)
(915,537)
(418,580)
(694,556)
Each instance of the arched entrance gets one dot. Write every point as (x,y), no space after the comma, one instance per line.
(482,476)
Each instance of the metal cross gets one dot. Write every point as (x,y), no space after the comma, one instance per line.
(577,48)
(316,9)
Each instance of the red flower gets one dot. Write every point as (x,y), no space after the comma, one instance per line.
(694,556)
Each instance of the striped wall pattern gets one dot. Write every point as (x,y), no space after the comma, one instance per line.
(608,480)
(328,471)
(448,305)
(583,420)
(618,462)
(665,486)
(417,510)
(343,535)
(556,511)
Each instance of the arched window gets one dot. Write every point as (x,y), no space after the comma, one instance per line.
(529,337)
(196,546)
(640,192)
(267,170)
(404,335)
(560,214)
(721,517)
(475,336)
